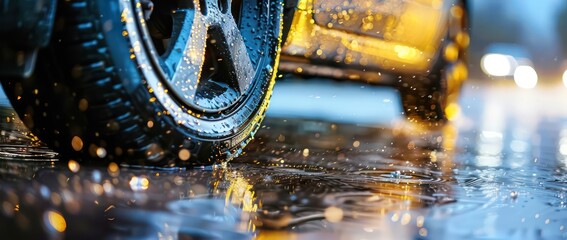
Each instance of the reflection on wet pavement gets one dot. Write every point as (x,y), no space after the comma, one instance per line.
(306,179)
(16,142)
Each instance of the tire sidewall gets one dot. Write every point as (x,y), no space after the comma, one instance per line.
(226,134)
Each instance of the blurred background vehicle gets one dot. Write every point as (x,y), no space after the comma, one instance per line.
(418,47)
(501,59)
(509,61)
(538,27)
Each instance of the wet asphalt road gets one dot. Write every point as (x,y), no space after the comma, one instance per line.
(332,160)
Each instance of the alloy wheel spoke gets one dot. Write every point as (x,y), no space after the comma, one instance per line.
(186,55)
(243,68)
(230,44)
(202,51)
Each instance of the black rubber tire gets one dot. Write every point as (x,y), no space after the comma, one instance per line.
(425,97)
(290,7)
(89,100)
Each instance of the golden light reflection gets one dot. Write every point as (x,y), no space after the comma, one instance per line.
(270,235)
(139,183)
(423,232)
(449,137)
(101,152)
(457,75)
(306,152)
(333,214)
(77,143)
(452,111)
(240,193)
(56,221)
(405,52)
(356,144)
(113,168)
(395,217)
(463,39)
(74,166)
(406,218)
(451,53)
(419,221)
(184,154)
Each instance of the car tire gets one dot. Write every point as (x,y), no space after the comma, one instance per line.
(430,100)
(103,91)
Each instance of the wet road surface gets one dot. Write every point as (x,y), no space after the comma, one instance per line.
(498,172)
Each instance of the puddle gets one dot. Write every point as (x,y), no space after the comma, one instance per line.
(16,142)
(299,179)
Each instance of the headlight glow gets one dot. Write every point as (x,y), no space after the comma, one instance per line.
(525,77)
(497,65)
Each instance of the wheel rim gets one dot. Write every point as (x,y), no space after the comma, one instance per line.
(205,49)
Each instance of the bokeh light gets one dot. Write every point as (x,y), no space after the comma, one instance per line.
(497,65)
(525,77)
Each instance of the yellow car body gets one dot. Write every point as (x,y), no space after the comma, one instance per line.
(362,39)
